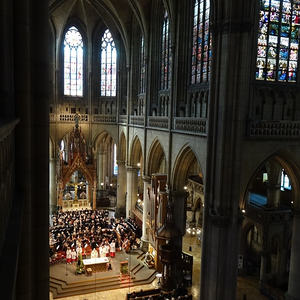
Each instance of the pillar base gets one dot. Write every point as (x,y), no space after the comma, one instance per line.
(144,245)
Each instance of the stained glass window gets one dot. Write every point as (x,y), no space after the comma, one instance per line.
(278,40)
(108,65)
(142,66)
(166,56)
(201,47)
(73,63)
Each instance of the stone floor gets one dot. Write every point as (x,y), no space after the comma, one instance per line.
(192,246)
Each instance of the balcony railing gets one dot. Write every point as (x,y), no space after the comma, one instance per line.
(137,120)
(108,119)
(194,125)
(158,122)
(123,119)
(274,129)
(70,118)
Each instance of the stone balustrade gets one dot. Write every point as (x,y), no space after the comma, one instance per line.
(194,125)
(137,120)
(158,122)
(123,119)
(108,119)
(71,118)
(274,129)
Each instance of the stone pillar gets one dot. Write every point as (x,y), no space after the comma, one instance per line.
(60,194)
(146,201)
(263,268)
(179,200)
(273,188)
(105,163)
(87,191)
(132,190)
(52,186)
(94,194)
(293,292)
(121,189)
(100,169)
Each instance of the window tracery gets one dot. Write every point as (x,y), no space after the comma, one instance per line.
(278,40)
(108,76)
(73,63)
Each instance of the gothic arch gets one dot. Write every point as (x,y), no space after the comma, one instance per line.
(156,157)
(136,152)
(291,169)
(78,165)
(185,161)
(99,138)
(122,147)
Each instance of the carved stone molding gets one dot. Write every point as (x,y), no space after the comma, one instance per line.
(137,120)
(108,119)
(71,118)
(274,129)
(123,119)
(158,122)
(194,125)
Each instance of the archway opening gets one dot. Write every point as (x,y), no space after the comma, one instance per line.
(267,225)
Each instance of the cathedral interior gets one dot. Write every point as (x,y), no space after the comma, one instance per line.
(181,115)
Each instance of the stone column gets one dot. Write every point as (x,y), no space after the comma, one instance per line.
(94,194)
(273,188)
(105,163)
(52,186)
(293,292)
(179,200)
(60,194)
(132,189)
(263,268)
(87,191)
(100,168)
(121,189)
(146,201)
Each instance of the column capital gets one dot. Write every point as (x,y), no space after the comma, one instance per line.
(132,168)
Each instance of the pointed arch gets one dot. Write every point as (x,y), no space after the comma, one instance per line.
(100,137)
(292,170)
(156,157)
(122,147)
(136,152)
(185,164)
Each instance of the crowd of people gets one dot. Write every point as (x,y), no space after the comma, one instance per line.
(91,233)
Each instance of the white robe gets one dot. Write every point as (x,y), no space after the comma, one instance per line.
(94,254)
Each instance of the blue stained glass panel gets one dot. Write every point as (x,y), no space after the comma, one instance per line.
(277,40)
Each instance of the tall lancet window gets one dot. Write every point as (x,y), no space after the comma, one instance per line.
(201,47)
(108,65)
(142,66)
(166,55)
(278,40)
(73,63)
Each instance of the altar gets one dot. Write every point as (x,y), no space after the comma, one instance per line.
(98,264)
